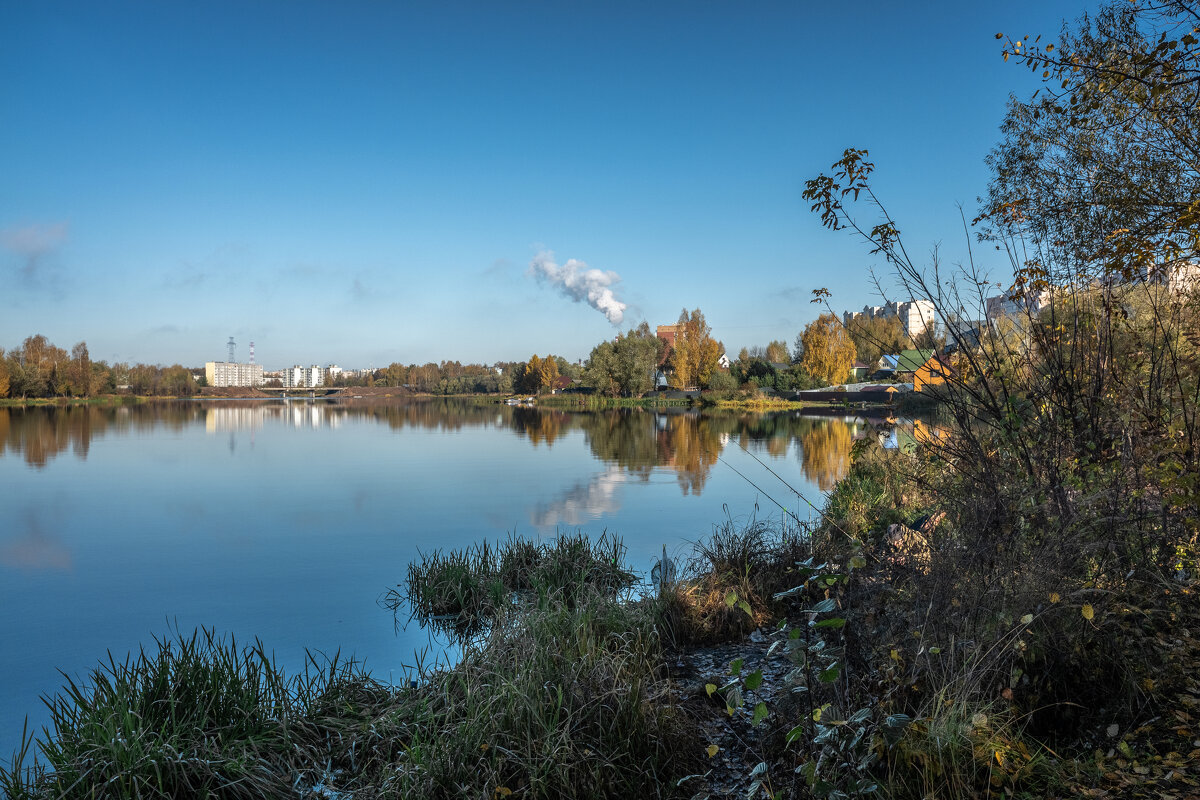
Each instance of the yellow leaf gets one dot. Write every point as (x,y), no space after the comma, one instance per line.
(1087,611)
(999,758)
(709,688)
(1054,598)
(502,791)
(484,747)
(712,750)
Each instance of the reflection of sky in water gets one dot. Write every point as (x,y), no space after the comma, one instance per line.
(288,522)
(583,502)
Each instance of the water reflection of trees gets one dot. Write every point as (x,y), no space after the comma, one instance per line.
(825,452)
(637,441)
(41,433)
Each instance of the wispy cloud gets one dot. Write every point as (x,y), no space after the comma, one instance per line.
(35,246)
(500,269)
(188,278)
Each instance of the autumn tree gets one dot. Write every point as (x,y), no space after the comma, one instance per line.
(79,371)
(548,373)
(626,365)
(695,353)
(535,374)
(1101,168)
(828,350)
(876,337)
(4,382)
(777,352)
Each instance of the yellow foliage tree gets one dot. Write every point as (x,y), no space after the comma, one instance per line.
(695,353)
(547,372)
(828,350)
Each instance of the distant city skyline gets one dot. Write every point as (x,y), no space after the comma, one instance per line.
(364,183)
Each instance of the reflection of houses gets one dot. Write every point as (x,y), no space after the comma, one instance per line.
(227,419)
(219,419)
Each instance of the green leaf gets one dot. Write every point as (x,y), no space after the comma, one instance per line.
(832,622)
(760,713)
(794,734)
(858,562)
(735,666)
(731,598)
(831,674)
(823,607)
(744,606)
(710,688)
(789,592)
(754,680)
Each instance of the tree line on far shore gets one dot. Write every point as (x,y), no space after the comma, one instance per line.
(37,368)
(629,365)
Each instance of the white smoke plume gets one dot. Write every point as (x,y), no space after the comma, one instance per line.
(576,280)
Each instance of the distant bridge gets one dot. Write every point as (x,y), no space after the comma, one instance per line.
(301,391)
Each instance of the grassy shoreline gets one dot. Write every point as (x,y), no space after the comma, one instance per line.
(576,682)
(104,400)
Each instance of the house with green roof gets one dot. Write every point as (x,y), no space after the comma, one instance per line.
(923,367)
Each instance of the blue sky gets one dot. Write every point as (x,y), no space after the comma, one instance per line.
(367,182)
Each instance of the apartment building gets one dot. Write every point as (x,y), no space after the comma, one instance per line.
(227,373)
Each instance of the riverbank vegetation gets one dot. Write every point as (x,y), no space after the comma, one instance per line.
(1007,607)
(38,369)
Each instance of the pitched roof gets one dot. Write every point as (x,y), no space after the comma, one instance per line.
(911,360)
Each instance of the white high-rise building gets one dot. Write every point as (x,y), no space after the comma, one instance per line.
(917,316)
(299,377)
(227,373)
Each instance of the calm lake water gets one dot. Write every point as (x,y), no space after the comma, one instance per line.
(287,522)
